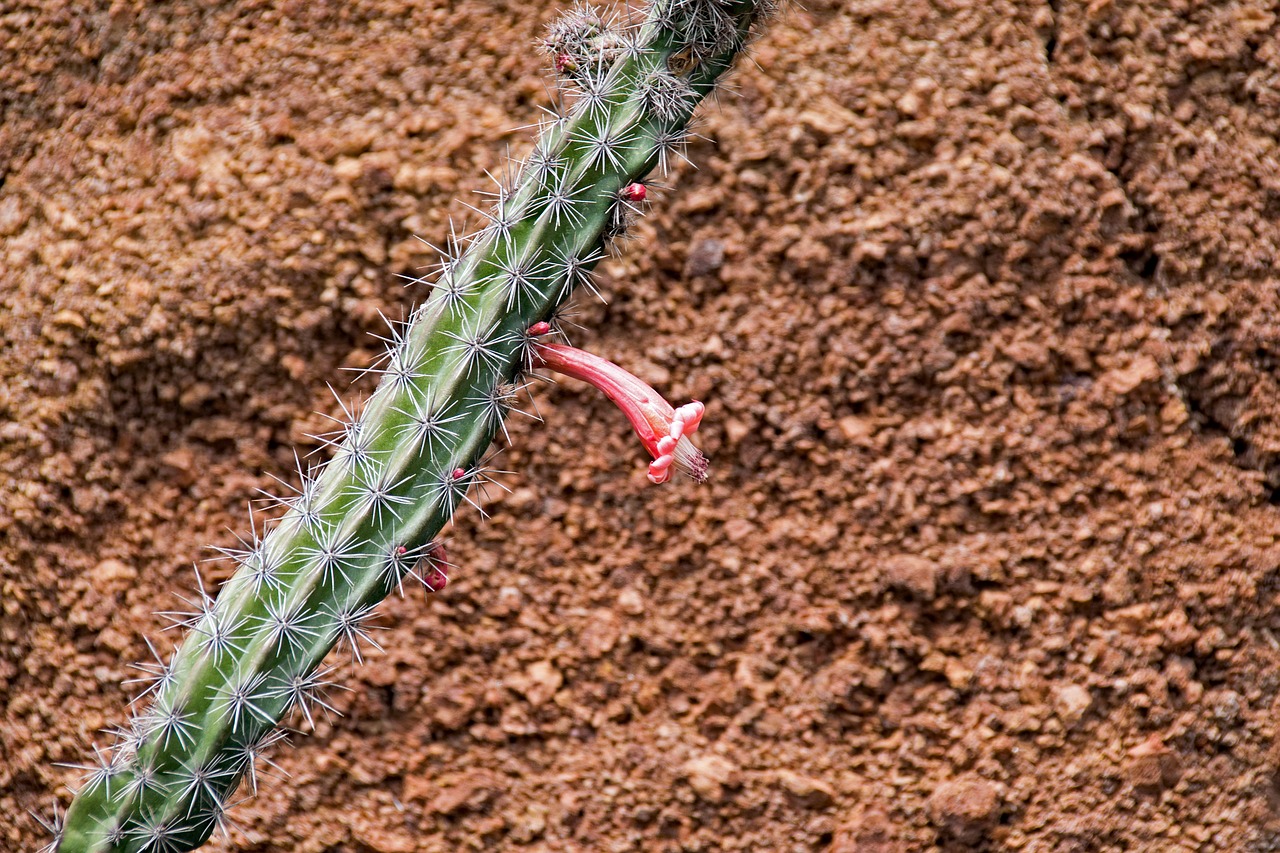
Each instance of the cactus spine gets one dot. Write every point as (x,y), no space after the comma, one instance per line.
(360,526)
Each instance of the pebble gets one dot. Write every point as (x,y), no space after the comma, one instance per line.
(1152,766)
(912,574)
(810,792)
(706,256)
(870,833)
(631,602)
(710,775)
(964,809)
(601,633)
(472,790)
(539,682)
(1071,702)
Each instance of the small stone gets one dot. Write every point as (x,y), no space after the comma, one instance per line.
(531,824)
(197,396)
(279,125)
(180,466)
(1153,766)
(870,833)
(384,841)
(715,347)
(915,575)
(909,104)
(294,365)
(1071,703)
(347,169)
(631,601)
(1124,381)
(111,572)
(12,215)
(810,792)
(706,256)
(736,430)
(539,682)
(709,775)
(68,317)
(1226,706)
(473,791)
(508,602)
(856,430)
(965,809)
(601,633)
(737,529)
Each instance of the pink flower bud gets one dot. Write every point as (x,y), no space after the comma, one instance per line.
(664,430)
(433,568)
(635,193)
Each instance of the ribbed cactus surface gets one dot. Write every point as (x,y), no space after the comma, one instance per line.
(365,522)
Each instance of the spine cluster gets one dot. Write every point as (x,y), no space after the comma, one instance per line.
(360,526)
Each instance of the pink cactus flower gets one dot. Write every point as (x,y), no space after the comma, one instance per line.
(663,429)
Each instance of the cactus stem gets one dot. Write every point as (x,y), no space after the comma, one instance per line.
(576,270)
(287,631)
(350,628)
(428,423)
(477,347)
(305,692)
(411,454)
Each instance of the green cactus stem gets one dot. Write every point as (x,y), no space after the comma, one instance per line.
(365,522)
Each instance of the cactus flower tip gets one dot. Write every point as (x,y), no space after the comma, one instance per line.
(663,429)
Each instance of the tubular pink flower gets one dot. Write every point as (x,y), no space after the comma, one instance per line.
(664,430)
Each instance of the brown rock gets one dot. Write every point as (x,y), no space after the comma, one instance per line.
(870,833)
(601,633)
(1152,766)
(538,683)
(1071,702)
(631,601)
(472,790)
(912,574)
(964,809)
(809,792)
(384,841)
(856,430)
(110,573)
(737,529)
(1125,380)
(180,466)
(709,775)
(706,256)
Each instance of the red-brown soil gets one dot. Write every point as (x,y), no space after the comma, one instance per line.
(980,296)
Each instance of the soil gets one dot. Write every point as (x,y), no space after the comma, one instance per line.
(980,297)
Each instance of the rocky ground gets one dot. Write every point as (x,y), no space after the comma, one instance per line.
(980,297)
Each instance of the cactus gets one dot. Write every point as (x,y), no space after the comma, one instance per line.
(366,521)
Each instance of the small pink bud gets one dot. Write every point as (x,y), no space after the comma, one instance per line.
(435,565)
(635,193)
(539,329)
(459,473)
(436,580)
(663,429)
